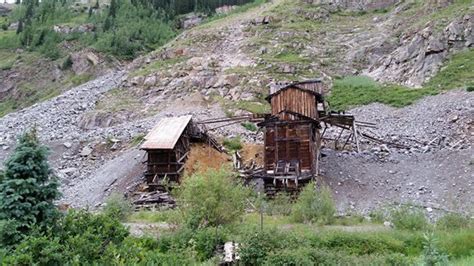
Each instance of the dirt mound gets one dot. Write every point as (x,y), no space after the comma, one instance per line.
(202,157)
(252,155)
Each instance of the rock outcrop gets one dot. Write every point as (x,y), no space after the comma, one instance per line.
(422,54)
(356,5)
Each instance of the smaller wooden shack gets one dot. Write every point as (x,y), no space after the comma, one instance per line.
(167,146)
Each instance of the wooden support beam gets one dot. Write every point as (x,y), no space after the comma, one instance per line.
(354,129)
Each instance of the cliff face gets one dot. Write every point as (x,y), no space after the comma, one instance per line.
(422,53)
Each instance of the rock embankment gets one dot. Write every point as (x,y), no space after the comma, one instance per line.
(421,54)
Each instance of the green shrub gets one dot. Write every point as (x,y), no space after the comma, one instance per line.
(233,144)
(280,205)
(314,206)
(359,243)
(290,257)
(250,126)
(117,206)
(453,221)
(257,245)
(67,63)
(9,233)
(457,244)
(212,198)
(409,218)
(431,253)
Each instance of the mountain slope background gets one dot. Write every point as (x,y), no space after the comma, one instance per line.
(414,58)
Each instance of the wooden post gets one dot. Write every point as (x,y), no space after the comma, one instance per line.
(354,128)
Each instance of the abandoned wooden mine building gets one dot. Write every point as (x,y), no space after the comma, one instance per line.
(291,134)
(167,146)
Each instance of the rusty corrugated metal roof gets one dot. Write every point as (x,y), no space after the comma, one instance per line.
(166,133)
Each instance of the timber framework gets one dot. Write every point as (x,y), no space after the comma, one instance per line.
(293,133)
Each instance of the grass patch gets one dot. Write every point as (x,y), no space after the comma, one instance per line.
(137,139)
(409,218)
(168,216)
(77,80)
(457,73)
(8,40)
(157,65)
(360,90)
(233,144)
(118,99)
(253,107)
(238,10)
(7,63)
(250,126)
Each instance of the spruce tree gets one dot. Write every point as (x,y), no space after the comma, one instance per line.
(27,189)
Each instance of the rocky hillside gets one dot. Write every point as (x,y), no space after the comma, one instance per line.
(225,67)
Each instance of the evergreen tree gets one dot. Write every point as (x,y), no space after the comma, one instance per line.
(27,189)
(113,8)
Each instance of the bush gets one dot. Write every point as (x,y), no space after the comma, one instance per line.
(359,243)
(212,198)
(250,126)
(431,253)
(280,205)
(289,257)
(453,221)
(457,244)
(233,144)
(257,245)
(9,233)
(314,206)
(117,206)
(67,63)
(409,218)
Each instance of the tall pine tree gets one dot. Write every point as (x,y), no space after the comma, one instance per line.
(27,189)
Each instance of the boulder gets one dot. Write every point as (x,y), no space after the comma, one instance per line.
(150,81)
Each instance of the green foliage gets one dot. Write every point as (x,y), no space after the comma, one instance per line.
(360,90)
(359,243)
(456,73)
(314,205)
(27,190)
(457,244)
(78,237)
(212,198)
(137,139)
(431,253)
(408,218)
(250,126)
(281,204)
(233,144)
(117,206)
(257,245)
(9,233)
(454,221)
(77,80)
(172,216)
(67,63)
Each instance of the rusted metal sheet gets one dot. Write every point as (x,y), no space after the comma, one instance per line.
(166,133)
